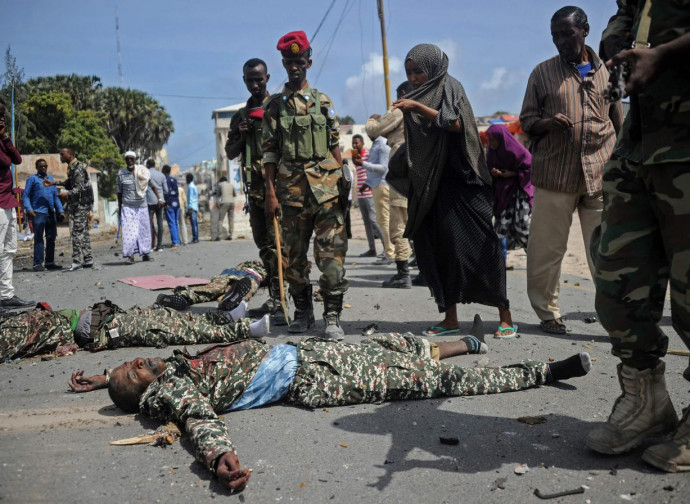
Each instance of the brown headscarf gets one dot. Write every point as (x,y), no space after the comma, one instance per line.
(427,142)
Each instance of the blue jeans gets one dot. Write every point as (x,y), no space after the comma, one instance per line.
(44,223)
(195,225)
(171,215)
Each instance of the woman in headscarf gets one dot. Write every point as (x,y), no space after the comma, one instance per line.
(511,167)
(450,198)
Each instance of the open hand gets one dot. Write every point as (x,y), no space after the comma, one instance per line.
(229,473)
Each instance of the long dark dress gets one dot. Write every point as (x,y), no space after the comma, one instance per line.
(457,249)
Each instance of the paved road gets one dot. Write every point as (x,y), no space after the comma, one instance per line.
(54,444)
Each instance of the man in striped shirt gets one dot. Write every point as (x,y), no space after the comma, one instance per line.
(573,130)
(365,198)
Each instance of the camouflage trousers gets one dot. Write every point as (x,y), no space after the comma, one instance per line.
(220,284)
(159,327)
(645,243)
(394,367)
(81,241)
(327,222)
(264,236)
(33,332)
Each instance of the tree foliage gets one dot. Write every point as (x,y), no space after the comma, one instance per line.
(76,111)
(135,121)
(346,119)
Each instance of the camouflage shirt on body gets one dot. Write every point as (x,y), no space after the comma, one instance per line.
(321,172)
(257,188)
(77,183)
(665,105)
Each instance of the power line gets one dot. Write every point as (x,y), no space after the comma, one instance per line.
(197,150)
(322,20)
(330,43)
(198,97)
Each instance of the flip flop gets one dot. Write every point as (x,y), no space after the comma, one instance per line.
(235,294)
(442,331)
(553,326)
(501,330)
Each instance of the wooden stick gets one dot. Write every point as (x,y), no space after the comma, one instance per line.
(279,252)
(682,353)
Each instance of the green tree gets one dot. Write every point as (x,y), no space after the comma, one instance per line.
(46,114)
(85,133)
(82,89)
(347,119)
(134,120)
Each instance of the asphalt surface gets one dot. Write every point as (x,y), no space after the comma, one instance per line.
(54,445)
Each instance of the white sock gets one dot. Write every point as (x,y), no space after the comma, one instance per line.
(240,311)
(260,328)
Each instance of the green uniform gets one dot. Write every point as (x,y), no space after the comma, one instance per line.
(220,284)
(261,224)
(36,332)
(194,390)
(299,131)
(645,241)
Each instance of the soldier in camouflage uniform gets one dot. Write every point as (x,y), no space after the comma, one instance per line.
(244,139)
(233,284)
(304,172)
(41,331)
(193,390)
(645,240)
(78,207)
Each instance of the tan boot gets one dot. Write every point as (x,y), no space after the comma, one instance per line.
(673,455)
(643,410)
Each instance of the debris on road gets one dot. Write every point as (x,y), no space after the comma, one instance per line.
(521,469)
(449,441)
(544,496)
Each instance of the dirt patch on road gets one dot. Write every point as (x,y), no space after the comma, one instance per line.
(61,418)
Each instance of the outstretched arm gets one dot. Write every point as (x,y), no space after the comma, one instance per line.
(80,383)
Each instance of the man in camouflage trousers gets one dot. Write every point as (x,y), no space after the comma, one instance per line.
(244,139)
(645,240)
(304,172)
(229,288)
(41,331)
(194,390)
(79,203)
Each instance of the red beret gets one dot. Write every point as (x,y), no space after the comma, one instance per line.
(293,43)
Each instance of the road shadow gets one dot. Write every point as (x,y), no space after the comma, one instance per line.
(486,443)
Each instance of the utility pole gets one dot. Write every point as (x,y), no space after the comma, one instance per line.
(379,4)
(117,36)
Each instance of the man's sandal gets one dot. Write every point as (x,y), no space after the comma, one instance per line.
(439,331)
(500,332)
(553,326)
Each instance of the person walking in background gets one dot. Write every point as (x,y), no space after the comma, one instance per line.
(365,198)
(449,205)
(8,217)
(132,183)
(511,167)
(172,207)
(181,221)
(42,207)
(376,167)
(155,199)
(225,194)
(573,129)
(193,206)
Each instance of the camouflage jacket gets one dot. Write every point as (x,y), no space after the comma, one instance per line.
(321,172)
(193,389)
(77,184)
(664,107)
(257,188)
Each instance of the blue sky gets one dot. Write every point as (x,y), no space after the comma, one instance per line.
(172,47)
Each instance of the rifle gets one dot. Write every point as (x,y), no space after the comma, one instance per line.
(615,90)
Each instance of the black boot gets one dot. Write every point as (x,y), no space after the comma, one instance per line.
(401,280)
(278,317)
(304,312)
(420,280)
(332,308)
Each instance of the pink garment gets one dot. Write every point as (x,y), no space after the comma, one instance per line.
(362,176)
(513,156)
